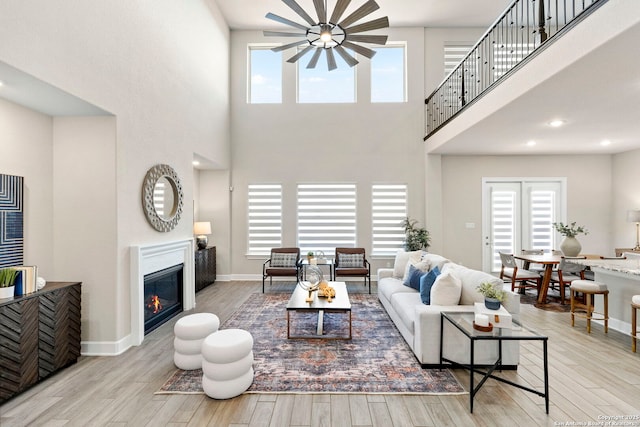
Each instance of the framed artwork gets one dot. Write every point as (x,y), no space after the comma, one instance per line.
(11,220)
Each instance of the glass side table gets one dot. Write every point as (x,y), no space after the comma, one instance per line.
(328,262)
(463,321)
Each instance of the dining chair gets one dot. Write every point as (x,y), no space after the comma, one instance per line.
(537,269)
(511,270)
(566,273)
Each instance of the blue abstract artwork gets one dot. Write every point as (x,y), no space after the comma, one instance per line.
(11,220)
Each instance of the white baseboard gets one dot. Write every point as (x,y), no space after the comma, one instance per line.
(105,348)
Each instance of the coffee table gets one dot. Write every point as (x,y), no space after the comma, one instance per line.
(339,304)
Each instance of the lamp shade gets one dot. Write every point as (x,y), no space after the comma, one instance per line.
(633,216)
(200,228)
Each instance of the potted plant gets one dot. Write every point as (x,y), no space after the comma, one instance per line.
(570,246)
(416,238)
(309,256)
(493,294)
(7,280)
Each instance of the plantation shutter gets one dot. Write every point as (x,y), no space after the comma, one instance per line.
(388,210)
(265,218)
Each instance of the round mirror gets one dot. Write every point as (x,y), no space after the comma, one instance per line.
(162,197)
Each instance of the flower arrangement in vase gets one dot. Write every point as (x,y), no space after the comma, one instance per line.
(570,246)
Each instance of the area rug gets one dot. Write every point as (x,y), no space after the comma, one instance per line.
(375,360)
(552,304)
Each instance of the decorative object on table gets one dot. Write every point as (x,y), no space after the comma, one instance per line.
(11,220)
(330,34)
(319,255)
(40,283)
(499,318)
(570,246)
(326,291)
(162,197)
(7,280)
(314,278)
(481,323)
(416,238)
(201,230)
(634,216)
(493,295)
(310,256)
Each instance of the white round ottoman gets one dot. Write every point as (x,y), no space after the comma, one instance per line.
(190,332)
(227,363)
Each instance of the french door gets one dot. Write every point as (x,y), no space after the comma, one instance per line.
(518,214)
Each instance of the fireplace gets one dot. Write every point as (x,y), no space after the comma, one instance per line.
(162,296)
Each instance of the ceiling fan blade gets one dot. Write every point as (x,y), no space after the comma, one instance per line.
(364,51)
(368,39)
(300,54)
(285,21)
(341,6)
(348,58)
(300,11)
(376,24)
(314,58)
(331,60)
(320,10)
(281,34)
(360,13)
(288,46)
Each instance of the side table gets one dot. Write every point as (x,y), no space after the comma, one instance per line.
(328,262)
(463,322)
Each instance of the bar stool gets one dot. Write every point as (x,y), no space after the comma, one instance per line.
(635,305)
(589,289)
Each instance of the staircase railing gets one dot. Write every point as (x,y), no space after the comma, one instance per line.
(518,33)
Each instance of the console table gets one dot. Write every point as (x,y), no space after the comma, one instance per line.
(40,334)
(205,267)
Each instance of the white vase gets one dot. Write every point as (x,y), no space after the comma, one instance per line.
(570,246)
(7,292)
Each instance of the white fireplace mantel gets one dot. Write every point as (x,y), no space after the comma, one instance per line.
(147,259)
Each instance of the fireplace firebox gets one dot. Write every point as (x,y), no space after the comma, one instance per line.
(162,296)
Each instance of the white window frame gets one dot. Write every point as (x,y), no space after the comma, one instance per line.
(264,218)
(389,207)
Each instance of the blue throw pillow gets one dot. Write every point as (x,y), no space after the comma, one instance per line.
(413,278)
(426,282)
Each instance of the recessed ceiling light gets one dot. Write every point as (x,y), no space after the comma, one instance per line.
(605,142)
(556,123)
(531,143)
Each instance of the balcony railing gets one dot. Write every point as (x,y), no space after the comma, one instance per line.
(522,29)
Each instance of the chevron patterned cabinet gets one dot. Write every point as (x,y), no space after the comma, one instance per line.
(39,335)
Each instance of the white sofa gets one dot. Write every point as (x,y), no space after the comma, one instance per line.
(419,324)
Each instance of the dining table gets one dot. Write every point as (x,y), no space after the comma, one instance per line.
(548,261)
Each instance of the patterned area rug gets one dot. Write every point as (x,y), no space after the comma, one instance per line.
(552,304)
(375,360)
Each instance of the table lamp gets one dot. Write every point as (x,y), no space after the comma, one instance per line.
(634,216)
(201,229)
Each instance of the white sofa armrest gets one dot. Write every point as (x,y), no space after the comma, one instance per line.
(385,272)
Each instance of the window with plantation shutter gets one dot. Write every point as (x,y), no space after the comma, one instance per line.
(453,54)
(326,217)
(265,218)
(388,210)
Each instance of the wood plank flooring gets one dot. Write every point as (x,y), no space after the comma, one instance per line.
(591,377)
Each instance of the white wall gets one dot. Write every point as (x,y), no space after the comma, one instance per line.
(626,196)
(589,198)
(293,143)
(26,150)
(162,68)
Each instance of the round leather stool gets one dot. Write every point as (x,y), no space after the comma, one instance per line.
(190,331)
(589,288)
(635,305)
(227,363)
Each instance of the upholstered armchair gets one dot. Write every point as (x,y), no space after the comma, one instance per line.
(352,262)
(283,262)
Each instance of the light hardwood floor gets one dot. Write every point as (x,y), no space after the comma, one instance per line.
(591,377)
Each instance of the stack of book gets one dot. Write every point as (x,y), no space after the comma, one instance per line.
(26,281)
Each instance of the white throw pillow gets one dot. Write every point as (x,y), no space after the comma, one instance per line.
(423,266)
(446,290)
(402,259)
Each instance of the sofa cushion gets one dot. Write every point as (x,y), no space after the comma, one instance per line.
(421,267)
(426,283)
(470,279)
(402,259)
(413,278)
(404,304)
(435,260)
(350,260)
(283,259)
(389,286)
(446,290)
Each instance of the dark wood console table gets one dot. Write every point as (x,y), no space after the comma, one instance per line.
(39,335)
(205,267)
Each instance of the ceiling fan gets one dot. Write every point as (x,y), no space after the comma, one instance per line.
(330,34)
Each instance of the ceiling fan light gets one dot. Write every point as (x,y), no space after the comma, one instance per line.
(325,36)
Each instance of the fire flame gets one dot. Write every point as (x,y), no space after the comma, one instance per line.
(155,304)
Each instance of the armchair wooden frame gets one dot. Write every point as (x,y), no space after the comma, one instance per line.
(511,271)
(352,271)
(271,271)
